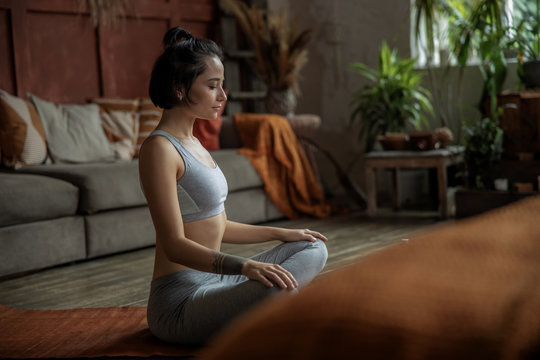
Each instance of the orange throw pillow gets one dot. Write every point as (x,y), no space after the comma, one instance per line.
(22,136)
(149,116)
(207,131)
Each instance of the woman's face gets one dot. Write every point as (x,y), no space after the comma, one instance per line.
(207,94)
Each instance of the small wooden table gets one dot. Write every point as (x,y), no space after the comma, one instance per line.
(439,159)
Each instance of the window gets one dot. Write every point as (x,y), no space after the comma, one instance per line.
(451,19)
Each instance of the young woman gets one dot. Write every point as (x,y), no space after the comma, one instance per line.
(196,289)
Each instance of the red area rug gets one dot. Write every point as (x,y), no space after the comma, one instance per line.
(81,333)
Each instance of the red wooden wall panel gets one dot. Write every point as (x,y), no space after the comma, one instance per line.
(62,51)
(51,48)
(128,55)
(7,71)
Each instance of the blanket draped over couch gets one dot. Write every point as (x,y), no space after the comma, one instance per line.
(274,151)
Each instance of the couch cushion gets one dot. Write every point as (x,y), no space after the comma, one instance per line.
(102,186)
(41,244)
(118,230)
(261,208)
(25,198)
(237,169)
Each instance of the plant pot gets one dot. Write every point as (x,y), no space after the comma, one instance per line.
(422,140)
(281,102)
(394,141)
(531,74)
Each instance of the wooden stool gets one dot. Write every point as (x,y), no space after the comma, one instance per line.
(439,159)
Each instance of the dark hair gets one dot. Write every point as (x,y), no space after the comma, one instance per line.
(182,61)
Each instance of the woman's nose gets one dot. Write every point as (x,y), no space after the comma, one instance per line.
(223,95)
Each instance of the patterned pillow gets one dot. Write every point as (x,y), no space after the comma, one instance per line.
(22,138)
(120,121)
(149,116)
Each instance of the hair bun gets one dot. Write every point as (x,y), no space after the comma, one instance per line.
(176,35)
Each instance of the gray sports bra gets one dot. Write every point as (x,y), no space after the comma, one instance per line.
(202,190)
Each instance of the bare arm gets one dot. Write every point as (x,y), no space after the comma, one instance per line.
(159,167)
(237,233)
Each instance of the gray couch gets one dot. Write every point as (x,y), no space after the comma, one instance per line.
(60,213)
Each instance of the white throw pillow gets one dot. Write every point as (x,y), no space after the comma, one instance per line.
(73,132)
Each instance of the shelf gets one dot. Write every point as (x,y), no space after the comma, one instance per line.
(240,54)
(243,95)
(473,202)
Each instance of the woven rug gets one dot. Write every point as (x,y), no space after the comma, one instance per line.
(82,333)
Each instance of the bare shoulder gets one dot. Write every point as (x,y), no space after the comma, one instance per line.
(155,145)
(158,155)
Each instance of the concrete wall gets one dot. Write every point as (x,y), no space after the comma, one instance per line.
(345,31)
(348,31)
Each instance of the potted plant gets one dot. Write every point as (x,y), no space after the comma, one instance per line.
(472,29)
(525,37)
(483,148)
(280,52)
(393,101)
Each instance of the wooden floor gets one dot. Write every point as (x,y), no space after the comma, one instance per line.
(123,279)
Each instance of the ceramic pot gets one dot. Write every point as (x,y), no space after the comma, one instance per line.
(531,74)
(394,141)
(281,102)
(422,140)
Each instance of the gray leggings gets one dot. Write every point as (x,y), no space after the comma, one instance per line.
(189,307)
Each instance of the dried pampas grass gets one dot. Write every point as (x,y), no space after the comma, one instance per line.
(108,13)
(280,50)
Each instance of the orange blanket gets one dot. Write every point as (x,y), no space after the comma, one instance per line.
(274,151)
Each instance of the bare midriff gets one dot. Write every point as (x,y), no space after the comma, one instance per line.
(207,232)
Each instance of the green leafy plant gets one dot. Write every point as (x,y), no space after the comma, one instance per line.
(479,29)
(483,147)
(525,34)
(525,38)
(393,101)
(471,29)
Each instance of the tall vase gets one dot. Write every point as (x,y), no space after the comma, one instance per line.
(281,102)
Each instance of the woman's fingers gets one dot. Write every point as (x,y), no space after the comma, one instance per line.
(314,235)
(270,274)
(282,278)
(265,281)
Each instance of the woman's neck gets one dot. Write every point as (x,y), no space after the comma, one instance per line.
(178,123)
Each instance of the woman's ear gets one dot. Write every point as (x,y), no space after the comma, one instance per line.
(180,95)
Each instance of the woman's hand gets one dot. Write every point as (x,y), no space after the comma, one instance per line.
(269,274)
(301,234)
